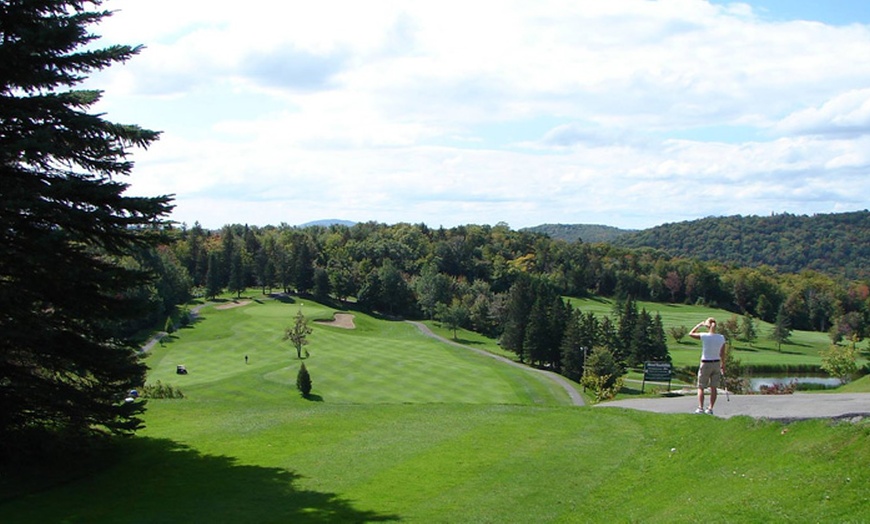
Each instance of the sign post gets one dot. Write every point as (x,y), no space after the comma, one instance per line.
(656,372)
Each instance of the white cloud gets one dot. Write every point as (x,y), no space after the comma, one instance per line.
(451,112)
(845,114)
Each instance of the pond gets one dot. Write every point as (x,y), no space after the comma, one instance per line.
(755,383)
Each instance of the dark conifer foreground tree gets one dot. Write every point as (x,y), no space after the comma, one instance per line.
(65,228)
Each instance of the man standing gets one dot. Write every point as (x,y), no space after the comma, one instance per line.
(712,366)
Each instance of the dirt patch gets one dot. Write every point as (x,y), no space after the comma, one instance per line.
(340,320)
(234,303)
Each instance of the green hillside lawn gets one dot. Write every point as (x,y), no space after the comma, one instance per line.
(802,348)
(404,428)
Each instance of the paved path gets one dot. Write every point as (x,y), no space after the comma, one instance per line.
(576,398)
(797,406)
(157,337)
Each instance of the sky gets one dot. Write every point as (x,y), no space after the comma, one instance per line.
(626,113)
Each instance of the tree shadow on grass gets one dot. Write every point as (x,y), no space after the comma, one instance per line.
(159,480)
(283,298)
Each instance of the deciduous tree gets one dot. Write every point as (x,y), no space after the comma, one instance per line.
(298,333)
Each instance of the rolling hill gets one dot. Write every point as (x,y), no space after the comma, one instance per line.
(589,233)
(836,244)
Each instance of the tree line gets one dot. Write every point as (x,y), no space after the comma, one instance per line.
(466,275)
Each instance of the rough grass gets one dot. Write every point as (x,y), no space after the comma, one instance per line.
(243,446)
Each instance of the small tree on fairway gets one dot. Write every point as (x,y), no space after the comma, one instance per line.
(678,333)
(747,329)
(298,334)
(303,381)
(454,315)
(781,329)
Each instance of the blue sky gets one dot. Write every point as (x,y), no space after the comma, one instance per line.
(629,113)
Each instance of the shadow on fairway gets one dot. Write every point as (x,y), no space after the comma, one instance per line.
(283,298)
(158,480)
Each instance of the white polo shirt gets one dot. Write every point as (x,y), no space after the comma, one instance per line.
(711,343)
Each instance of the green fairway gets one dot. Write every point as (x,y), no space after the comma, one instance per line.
(376,362)
(404,428)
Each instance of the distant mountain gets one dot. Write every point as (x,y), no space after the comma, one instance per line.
(588,233)
(836,244)
(328,222)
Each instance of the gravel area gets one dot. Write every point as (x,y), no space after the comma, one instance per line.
(798,406)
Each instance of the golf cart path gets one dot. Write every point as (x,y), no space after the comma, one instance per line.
(157,337)
(576,398)
(797,406)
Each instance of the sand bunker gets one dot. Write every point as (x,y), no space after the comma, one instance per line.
(341,320)
(233,304)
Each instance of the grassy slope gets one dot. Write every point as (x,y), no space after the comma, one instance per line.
(381,445)
(803,346)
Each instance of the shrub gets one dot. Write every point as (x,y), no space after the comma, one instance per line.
(602,385)
(303,381)
(840,361)
(602,374)
(161,390)
(678,333)
(778,388)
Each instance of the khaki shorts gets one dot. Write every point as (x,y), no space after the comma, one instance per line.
(709,374)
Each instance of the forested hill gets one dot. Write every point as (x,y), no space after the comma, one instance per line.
(836,244)
(589,233)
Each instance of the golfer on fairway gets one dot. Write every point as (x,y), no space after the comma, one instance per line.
(712,362)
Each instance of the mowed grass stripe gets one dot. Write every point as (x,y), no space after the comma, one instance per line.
(378,362)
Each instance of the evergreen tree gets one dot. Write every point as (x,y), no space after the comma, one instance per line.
(572,347)
(747,329)
(519,305)
(198,263)
(321,284)
(236,280)
(628,316)
(659,347)
(303,265)
(303,381)
(591,334)
(557,321)
(535,341)
(67,225)
(781,328)
(641,339)
(213,284)
(227,258)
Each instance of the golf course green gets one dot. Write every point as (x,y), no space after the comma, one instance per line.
(402,427)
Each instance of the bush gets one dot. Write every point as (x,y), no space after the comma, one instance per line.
(840,361)
(303,381)
(810,386)
(602,385)
(161,390)
(602,374)
(779,388)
